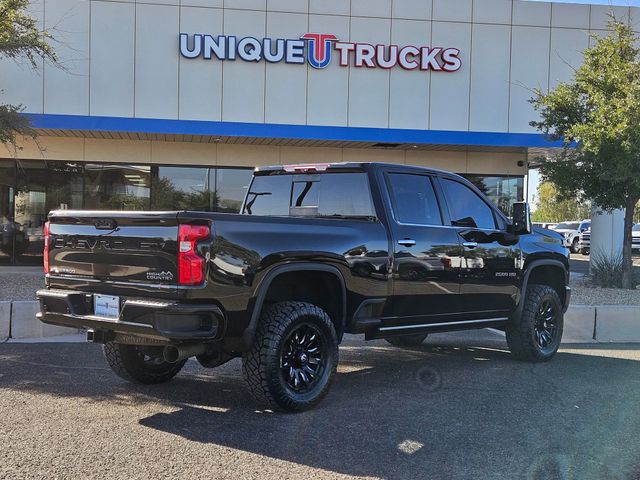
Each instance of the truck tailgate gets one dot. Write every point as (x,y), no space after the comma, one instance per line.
(111,249)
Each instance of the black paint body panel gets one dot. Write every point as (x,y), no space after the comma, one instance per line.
(434,282)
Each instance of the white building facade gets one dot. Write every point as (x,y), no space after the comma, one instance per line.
(169,103)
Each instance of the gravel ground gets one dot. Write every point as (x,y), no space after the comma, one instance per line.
(458,407)
(582,293)
(20,283)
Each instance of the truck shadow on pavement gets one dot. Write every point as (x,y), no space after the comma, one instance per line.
(441,410)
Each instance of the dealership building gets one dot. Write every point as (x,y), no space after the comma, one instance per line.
(169,104)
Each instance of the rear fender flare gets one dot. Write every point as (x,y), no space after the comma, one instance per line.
(263,288)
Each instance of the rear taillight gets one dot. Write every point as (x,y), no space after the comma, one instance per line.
(190,264)
(46,247)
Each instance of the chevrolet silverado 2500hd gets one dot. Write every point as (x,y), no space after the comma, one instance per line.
(392,252)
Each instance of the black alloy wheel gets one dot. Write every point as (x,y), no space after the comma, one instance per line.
(546,327)
(303,358)
(294,357)
(535,335)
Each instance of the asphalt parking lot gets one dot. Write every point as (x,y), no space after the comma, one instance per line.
(457,407)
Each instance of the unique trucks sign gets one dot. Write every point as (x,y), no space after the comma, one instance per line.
(317,49)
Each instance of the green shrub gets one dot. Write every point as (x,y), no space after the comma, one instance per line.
(606,271)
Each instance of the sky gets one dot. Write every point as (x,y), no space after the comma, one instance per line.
(533,180)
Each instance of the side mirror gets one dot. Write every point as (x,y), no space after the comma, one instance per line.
(521,218)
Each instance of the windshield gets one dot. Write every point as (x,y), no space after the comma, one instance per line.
(636,227)
(568,226)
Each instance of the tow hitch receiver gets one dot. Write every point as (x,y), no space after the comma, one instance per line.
(99,336)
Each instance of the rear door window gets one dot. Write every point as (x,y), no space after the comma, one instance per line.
(414,200)
(322,195)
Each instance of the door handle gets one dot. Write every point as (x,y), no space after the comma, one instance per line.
(407,242)
(469,244)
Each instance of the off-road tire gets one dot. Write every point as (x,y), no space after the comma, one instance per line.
(127,361)
(521,333)
(414,340)
(261,365)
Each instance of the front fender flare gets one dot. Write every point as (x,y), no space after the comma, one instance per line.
(525,279)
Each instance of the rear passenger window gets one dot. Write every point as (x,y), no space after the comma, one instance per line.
(414,200)
(269,195)
(324,195)
(466,207)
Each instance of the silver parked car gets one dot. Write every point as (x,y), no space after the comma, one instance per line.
(571,233)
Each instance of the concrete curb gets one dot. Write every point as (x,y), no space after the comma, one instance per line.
(5,320)
(618,323)
(18,321)
(602,324)
(579,324)
(582,323)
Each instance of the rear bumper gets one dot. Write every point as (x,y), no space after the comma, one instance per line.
(144,317)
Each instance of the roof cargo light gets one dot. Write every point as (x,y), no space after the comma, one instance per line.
(306,167)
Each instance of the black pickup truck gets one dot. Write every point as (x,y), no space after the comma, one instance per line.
(388,251)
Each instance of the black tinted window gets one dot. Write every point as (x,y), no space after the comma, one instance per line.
(345,194)
(466,207)
(305,194)
(414,199)
(269,195)
(328,194)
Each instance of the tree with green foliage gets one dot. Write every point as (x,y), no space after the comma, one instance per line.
(597,116)
(554,208)
(20,37)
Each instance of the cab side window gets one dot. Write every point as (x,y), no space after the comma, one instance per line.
(414,200)
(466,207)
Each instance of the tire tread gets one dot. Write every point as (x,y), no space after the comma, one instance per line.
(261,379)
(520,335)
(123,363)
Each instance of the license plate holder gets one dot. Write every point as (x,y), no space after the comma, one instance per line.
(106,306)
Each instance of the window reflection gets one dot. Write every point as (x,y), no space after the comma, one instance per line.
(503,191)
(7,225)
(29,189)
(41,186)
(231,188)
(179,188)
(117,187)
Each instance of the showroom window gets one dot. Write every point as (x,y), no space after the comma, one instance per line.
(180,188)
(202,189)
(41,186)
(117,187)
(231,187)
(29,189)
(7,224)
